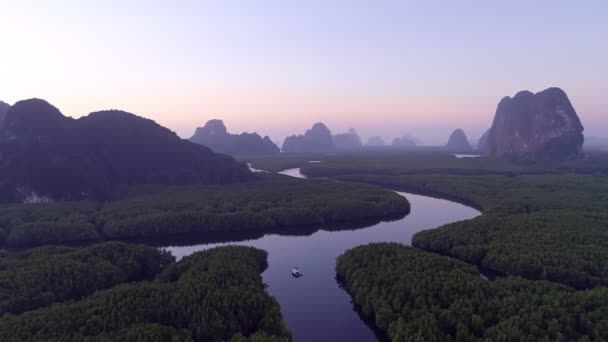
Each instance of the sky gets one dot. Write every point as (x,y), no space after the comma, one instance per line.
(276,67)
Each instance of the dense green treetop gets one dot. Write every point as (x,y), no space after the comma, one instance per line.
(273,202)
(539,221)
(214,295)
(412,295)
(42,276)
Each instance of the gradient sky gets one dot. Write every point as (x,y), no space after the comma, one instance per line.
(382,67)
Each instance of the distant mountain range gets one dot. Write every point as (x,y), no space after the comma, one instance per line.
(317,139)
(348,141)
(215,136)
(45,155)
(406,141)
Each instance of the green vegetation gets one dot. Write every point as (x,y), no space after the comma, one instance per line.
(548,226)
(39,224)
(421,161)
(213,295)
(43,276)
(273,202)
(413,295)
(285,161)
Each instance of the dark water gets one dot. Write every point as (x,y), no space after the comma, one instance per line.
(314,306)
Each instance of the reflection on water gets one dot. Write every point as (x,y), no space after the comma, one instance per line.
(253,169)
(293,173)
(466,155)
(314,306)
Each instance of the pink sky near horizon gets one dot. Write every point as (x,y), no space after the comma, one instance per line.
(384,68)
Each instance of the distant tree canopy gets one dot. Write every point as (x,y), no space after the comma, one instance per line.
(413,295)
(215,295)
(275,202)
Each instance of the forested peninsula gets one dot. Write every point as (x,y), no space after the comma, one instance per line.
(273,202)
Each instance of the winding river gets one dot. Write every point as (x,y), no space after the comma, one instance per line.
(314,306)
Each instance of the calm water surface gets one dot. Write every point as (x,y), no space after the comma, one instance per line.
(466,155)
(314,306)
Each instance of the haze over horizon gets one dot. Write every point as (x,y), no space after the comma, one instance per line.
(385,68)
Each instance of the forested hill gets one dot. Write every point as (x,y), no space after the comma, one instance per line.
(45,155)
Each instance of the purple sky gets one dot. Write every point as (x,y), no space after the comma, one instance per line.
(276,67)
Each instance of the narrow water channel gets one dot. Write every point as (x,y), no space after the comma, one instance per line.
(314,306)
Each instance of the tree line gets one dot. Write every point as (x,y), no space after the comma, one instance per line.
(275,202)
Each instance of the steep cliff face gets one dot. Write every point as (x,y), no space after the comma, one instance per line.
(536,126)
(458,141)
(482,144)
(215,136)
(45,154)
(316,139)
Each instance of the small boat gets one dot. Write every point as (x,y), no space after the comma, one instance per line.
(295,272)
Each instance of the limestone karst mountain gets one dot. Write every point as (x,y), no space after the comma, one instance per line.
(316,139)
(348,141)
(215,136)
(458,142)
(482,144)
(536,126)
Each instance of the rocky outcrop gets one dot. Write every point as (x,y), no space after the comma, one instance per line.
(215,136)
(482,143)
(47,155)
(375,141)
(348,141)
(406,141)
(458,142)
(536,126)
(316,139)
